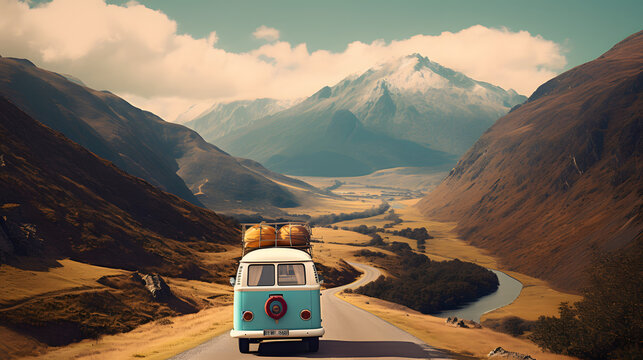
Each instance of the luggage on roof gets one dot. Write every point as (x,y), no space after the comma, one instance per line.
(287,234)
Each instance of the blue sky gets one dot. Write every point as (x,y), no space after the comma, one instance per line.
(166,55)
(586,28)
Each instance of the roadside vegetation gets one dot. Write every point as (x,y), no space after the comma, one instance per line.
(340,275)
(418,234)
(333,218)
(425,285)
(608,322)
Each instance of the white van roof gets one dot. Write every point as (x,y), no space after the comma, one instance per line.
(276,254)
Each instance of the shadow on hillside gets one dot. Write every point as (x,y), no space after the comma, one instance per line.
(351,349)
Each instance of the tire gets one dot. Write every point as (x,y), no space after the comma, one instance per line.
(313,344)
(244,345)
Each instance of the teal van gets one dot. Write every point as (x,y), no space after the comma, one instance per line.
(277,296)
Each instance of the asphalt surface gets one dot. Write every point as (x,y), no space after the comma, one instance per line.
(351,333)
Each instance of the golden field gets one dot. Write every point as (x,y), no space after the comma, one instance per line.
(166,337)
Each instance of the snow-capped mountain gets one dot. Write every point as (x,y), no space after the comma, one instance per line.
(411,99)
(222,118)
(416,99)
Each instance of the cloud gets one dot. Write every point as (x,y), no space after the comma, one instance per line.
(137,53)
(267,33)
(212,38)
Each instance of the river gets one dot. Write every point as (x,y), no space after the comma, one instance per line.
(508,290)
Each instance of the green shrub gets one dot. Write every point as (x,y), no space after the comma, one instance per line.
(431,286)
(608,322)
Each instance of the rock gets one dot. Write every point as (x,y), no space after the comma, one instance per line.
(155,284)
(500,353)
(462,323)
(23,239)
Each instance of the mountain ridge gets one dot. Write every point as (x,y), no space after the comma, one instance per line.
(222,118)
(406,100)
(558,178)
(167,155)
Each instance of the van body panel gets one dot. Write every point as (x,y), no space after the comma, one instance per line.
(296,300)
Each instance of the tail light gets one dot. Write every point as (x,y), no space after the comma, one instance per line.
(248,315)
(305,314)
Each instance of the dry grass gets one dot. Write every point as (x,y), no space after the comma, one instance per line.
(152,340)
(156,340)
(337,246)
(339,236)
(434,331)
(411,178)
(536,298)
(377,221)
(446,242)
(324,205)
(17,284)
(162,339)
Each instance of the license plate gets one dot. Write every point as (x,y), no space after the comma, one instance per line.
(278,332)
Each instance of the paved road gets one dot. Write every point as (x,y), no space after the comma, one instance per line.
(351,333)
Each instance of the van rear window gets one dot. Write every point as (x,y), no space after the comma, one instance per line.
(291,274)
(261,275)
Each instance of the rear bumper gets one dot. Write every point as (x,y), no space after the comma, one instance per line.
(258,334)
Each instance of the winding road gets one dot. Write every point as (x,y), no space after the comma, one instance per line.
(351,333)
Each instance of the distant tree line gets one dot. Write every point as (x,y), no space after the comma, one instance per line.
(431,286)
(418,234)
(415,234)
(392,216)
(363,229)
(369,253)
(608,322)
(333,218)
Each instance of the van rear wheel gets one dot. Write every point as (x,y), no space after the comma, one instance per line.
(313,344)
(244,345)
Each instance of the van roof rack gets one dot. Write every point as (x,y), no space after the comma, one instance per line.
(278,238)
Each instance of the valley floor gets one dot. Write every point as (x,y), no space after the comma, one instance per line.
(166,337)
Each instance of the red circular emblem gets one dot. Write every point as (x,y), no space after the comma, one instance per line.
(276,307)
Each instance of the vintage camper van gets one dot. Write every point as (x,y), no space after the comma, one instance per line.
(277,288)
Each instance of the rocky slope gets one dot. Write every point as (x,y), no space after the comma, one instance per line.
(560,177)
(416,111)
(59,200)
(167,155)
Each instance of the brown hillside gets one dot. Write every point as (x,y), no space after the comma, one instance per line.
(560,177)
(167,155)
(59,200)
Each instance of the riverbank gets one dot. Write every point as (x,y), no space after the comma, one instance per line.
(536,298)
(475,343)
(508,290)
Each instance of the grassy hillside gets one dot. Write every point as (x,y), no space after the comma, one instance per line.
(558,177)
